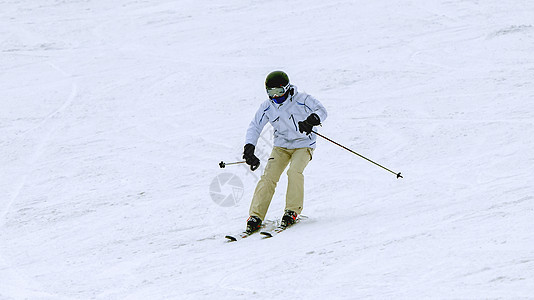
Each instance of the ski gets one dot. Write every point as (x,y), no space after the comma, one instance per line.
(267,225)
(270,233)
(239,236)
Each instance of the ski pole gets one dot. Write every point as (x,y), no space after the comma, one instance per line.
(222,164)
(354,152)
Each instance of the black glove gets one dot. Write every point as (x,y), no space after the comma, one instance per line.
(307,125)
(250,158)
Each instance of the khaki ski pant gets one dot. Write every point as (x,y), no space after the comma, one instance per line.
(297,159)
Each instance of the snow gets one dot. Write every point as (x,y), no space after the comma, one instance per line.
(115,114)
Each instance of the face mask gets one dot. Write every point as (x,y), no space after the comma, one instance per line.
(280,100)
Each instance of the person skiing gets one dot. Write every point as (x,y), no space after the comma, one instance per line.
(293,115)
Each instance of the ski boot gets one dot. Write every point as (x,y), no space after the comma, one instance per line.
(289,218)
(253,224)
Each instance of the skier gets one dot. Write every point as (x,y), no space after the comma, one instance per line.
(293,115)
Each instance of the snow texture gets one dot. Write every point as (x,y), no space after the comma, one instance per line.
(114,116)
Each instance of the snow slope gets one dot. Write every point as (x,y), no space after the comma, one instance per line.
(115,114)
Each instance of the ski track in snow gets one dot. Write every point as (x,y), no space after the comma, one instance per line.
(17,281)
(34,157)
(114,116)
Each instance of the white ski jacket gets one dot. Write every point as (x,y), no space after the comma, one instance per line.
(284,118)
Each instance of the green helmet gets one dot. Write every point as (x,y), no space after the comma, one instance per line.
(276,79)
(277,86)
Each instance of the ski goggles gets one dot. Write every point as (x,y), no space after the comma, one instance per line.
(276,92)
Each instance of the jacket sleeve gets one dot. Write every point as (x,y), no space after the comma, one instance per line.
(256,125)
(316,107)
